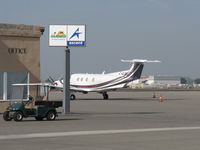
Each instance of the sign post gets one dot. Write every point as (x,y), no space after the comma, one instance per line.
(66,99)
(67,35)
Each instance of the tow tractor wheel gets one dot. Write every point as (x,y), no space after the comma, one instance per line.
(39,118)
(72,97)
(51,115)
(6,116)
(18,116)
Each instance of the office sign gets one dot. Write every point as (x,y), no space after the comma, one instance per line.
(67,35)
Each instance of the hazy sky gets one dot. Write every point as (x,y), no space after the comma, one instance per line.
(167,30)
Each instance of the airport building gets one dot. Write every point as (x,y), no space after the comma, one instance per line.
(164,80)
(19,56)
(156,82)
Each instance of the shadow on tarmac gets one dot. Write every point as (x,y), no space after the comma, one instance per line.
(127,99)
(117,113)
(56,120)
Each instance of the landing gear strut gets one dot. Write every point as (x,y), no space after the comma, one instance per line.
(105,95)
(72,97)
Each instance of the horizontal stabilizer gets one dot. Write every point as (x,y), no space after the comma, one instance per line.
(141,61)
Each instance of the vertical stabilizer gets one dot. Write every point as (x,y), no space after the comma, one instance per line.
(136,69)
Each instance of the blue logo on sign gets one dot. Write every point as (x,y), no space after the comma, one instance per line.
(76,33)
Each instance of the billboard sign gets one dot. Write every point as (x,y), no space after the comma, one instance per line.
(67,35)
(76,35)
(57,35)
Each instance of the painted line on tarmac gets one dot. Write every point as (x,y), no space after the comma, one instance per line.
(95,132)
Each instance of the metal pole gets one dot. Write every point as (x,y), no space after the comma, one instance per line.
(5,90)
(66,100)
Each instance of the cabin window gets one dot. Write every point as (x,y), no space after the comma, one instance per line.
(86,79)
(78,79)
(81,79)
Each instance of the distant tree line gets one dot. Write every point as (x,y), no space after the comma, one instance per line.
(186,80)
(183,80)
(197,81)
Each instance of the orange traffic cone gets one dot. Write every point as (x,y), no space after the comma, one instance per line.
(161,98)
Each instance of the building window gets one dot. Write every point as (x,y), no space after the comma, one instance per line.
(1,85)
(7,91)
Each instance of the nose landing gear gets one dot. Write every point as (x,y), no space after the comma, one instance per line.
(72,97)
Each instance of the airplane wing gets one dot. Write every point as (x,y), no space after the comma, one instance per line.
(32,84)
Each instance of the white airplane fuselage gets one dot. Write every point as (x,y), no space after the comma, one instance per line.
(95,82)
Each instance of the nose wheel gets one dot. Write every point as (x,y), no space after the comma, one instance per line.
(72,97)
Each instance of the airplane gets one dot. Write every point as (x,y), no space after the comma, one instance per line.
(102,83)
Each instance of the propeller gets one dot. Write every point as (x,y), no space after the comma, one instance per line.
(51,79)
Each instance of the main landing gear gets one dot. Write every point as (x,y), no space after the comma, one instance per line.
(105,95)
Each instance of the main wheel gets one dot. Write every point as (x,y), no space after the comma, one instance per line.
(105,96)
(51,115)
(72,97)
(6,116)
(18,116)
(39,118)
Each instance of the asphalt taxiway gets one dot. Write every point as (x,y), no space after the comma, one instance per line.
(128,120)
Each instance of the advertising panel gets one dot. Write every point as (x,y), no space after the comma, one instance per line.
(57,35)
(67,35)
(76,35)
